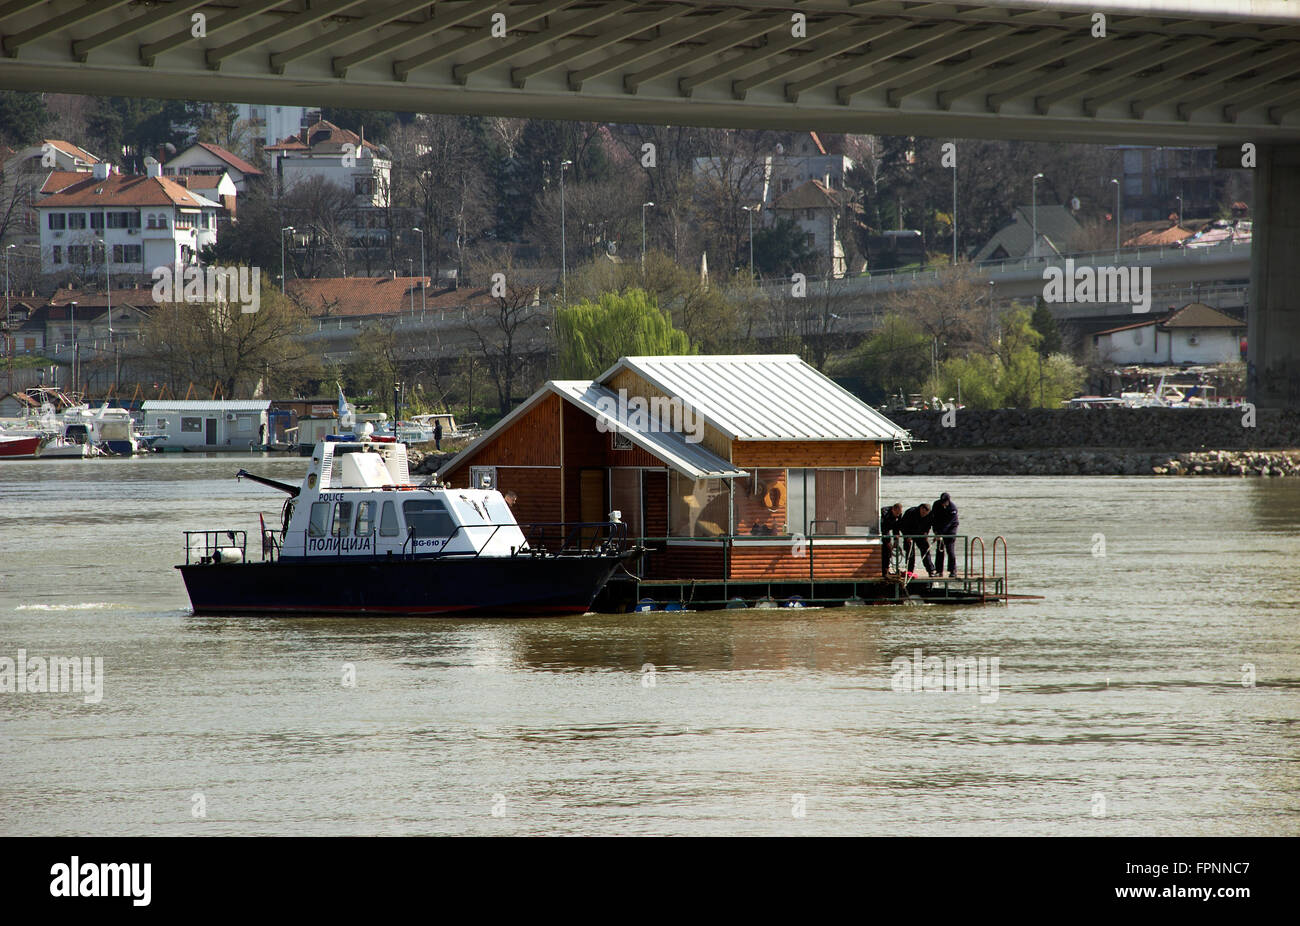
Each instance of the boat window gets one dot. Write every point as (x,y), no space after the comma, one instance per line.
(320,519)
(428,517)
(365,518)
(388,523)
(342,518)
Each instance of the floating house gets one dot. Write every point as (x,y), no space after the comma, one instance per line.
(723,465)
(200,425)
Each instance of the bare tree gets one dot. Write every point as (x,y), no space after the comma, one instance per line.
(502,330)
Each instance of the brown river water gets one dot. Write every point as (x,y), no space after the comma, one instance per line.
(1117,707)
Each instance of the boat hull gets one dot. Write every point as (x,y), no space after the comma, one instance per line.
(19,447)
(434,587)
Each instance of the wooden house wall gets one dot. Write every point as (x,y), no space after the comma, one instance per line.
(532,440)
(762,563)
(806,453)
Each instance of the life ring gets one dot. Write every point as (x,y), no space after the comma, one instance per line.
(773,497)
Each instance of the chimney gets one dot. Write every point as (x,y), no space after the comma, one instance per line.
(152,168)
(100,170)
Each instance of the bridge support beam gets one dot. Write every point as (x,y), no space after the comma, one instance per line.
(1273,319)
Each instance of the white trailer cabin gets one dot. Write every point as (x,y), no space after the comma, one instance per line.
(208,425)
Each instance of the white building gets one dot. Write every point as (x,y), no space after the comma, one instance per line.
(819,213)
(32,172)
(204,159)
(341,157)
(1195,333)
(146,222)
(222,424)
(267,124)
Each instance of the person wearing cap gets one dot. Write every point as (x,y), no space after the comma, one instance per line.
(943,519)
(915,527)
(891,520)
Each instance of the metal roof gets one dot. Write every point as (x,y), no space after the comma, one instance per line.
(206,405)
(689,459)
(772,397)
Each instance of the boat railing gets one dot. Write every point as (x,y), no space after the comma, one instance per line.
(215,547)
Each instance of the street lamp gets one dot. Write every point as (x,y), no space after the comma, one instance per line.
(1117,222)
(283,279)
(751,210)
(644,207)
(423,278)
(9,330)
(72,311)
(1034,186)
(410,273)
(564,267)
(108,289)
(954,204)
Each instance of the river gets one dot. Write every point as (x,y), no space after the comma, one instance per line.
(1118,706)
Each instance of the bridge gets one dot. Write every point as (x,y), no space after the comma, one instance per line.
(1152,72)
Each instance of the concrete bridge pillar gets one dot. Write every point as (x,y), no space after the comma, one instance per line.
(1273,318)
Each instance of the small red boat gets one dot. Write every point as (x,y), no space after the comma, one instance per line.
(18,447)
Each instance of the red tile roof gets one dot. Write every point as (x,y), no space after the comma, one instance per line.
(1192,315)
(322,138)
(62,179)
(86,298)
(233,160)
(120,190)
(68,147)
(377,296)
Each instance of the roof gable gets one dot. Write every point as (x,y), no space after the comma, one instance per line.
(768,397)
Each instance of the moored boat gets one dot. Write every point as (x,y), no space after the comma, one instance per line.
(358,538)
(19,447)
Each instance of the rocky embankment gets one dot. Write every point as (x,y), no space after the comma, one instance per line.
(1101,442)
(1099,462)
(423,463)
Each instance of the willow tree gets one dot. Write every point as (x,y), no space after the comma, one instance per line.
(217,345)
(593,335)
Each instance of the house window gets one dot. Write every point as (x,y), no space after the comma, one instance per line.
(697,508)
(126,254)
(808,214)
(78,254)
(363,186)
(483,477)
(58,221)
(58,254)
(811,239)
(759,503)
(191,425)
(97,221)
(76,220)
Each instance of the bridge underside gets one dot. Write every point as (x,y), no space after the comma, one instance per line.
(1165,71)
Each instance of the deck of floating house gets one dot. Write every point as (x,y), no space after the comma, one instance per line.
(749,479)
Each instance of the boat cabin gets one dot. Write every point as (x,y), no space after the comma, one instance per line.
(725,467)
(357,500)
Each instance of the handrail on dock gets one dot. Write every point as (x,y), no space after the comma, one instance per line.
(1005,557)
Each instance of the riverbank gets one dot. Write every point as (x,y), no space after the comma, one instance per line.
(1091,462)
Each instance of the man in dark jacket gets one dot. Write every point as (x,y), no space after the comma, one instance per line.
(915,526)
(891,520)
(943,518)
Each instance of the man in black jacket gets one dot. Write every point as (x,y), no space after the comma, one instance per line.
(915,526)
(943,518)
(891,520)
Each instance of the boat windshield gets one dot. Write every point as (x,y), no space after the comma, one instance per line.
(427,517)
